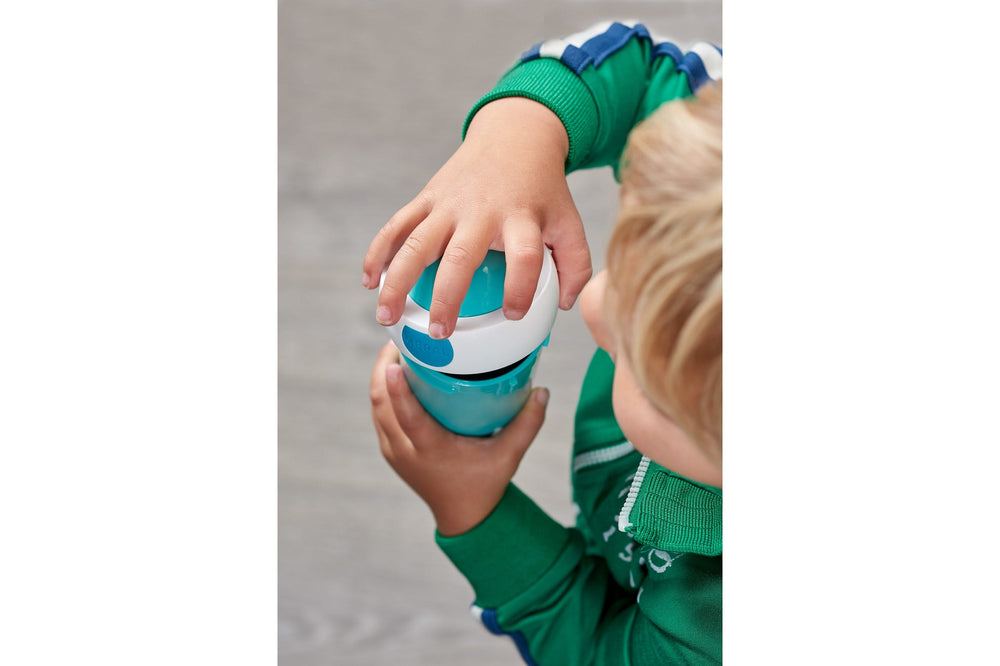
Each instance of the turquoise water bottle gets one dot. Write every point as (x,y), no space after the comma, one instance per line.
(478,379)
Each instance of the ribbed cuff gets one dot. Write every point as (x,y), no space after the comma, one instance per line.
(509,551)
(672,512)
(549,82)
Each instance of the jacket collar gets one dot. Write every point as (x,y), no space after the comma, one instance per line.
(673,513)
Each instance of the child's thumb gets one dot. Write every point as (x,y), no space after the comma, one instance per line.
(521,431)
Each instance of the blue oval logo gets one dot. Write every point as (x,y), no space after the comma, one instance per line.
(424,348)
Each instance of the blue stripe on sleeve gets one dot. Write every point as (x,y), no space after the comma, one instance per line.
(599,48)
(694,69)
(489,619)
(595,50)
(669,50)
(576,59)
(611,40)
(532,53)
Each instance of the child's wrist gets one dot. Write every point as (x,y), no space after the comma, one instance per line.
(459,517)
(524,123)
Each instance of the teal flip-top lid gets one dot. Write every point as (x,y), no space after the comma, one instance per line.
(485,293)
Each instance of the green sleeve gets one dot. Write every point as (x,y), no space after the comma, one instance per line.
(600,90)
(534,581)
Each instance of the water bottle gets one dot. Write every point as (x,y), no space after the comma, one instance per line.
(477,380)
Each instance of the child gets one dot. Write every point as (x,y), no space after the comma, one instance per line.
(638,580)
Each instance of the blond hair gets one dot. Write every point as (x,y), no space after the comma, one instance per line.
(665,264)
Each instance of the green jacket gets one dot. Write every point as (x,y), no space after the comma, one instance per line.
(638,579)
(601,82)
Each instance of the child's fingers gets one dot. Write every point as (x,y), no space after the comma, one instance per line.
(418,426)
(378,394)
(376,384)
(418,251)
(390,237)
(387,443)
(522,242)
(465,252)
(392,439)
(521,431)
(572,258)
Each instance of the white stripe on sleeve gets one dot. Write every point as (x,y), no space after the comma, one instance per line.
(710,57)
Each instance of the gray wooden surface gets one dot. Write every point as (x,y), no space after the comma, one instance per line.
(372,96)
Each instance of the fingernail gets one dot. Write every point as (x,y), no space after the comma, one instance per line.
(393,372)
(383,315)
(364,281)
(513,315)
(542,396)
(436,331)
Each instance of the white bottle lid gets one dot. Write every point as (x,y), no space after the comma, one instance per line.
(483,342)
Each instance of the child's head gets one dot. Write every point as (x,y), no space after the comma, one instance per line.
(661,310)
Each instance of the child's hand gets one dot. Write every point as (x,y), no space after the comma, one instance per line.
(460,478)
(503,189)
